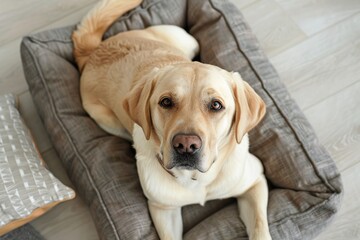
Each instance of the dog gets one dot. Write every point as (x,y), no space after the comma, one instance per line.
(188,121)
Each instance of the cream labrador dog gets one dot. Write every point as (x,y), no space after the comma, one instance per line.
(188,121)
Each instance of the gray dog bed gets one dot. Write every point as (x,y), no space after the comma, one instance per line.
(305,184)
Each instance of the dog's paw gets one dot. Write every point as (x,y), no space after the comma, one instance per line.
(261,235)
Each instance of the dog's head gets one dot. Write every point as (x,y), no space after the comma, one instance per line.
(192,111)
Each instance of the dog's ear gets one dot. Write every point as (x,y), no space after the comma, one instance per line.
(249,107)
(137,104)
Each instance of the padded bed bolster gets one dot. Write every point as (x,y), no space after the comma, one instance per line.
(306,188)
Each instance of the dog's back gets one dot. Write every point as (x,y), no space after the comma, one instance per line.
(121,60)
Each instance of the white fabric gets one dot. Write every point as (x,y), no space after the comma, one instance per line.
(25,184)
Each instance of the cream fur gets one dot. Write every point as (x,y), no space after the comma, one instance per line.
(123,81)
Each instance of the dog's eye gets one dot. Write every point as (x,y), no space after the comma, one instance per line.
(166,102)
(216,105)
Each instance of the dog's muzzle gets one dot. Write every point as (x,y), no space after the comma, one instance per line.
(186,152)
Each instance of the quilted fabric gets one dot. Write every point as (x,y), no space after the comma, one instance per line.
(25,184)
(306,187)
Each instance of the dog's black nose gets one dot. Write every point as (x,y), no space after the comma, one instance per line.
(186,143)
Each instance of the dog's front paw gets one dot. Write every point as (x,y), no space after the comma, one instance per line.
(265,236)
(261,235)
(260,232)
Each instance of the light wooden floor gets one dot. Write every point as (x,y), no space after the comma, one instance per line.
(314,45)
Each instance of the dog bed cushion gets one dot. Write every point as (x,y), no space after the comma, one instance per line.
(305,184)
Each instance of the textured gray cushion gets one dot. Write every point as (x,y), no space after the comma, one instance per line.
(27,188)
(305,184)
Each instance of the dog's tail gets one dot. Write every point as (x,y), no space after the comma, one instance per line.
(89,32)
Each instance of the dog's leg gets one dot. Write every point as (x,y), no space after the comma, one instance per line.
(253,210)
(171,35)
(107,120)
(177,37)
(167,221)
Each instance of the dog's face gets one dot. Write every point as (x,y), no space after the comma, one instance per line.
(192,111)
